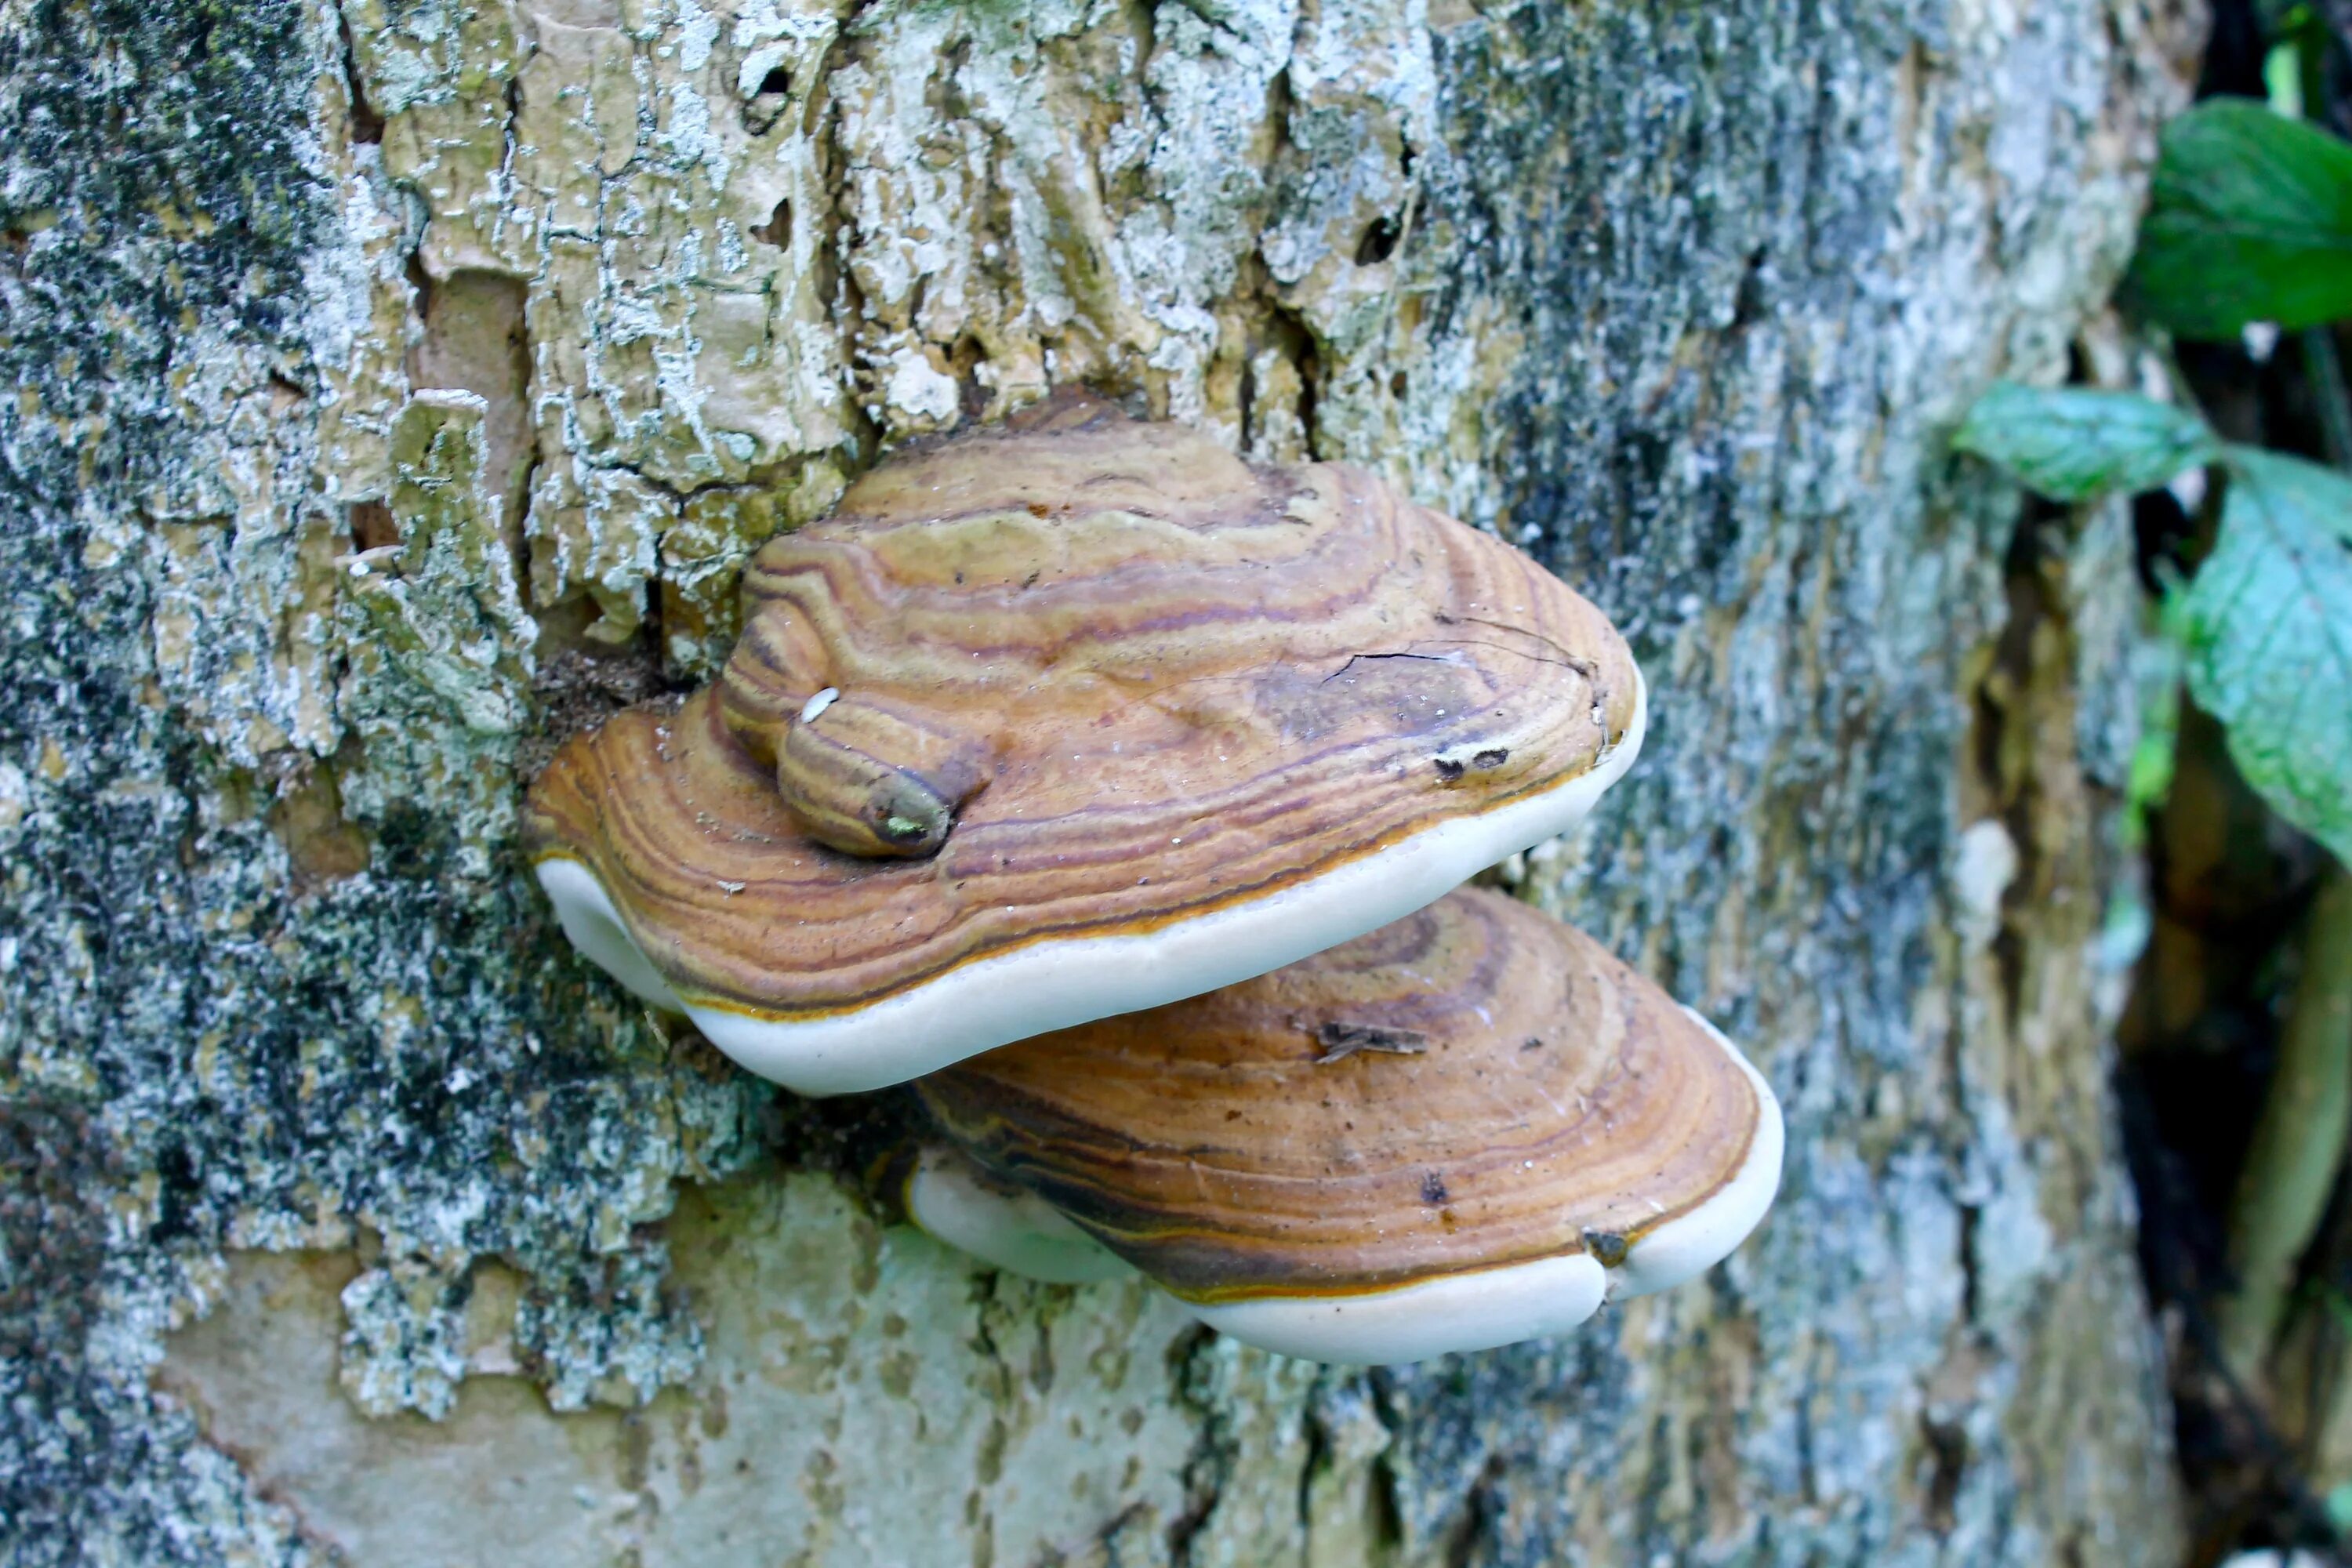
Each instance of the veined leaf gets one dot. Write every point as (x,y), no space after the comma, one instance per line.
(2249,220)
(2071,444)
(2269,620)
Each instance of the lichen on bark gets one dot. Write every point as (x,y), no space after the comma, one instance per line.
(397,386)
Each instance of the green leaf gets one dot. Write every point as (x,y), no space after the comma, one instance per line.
(2072,445)
(2249,220)
(2269,624)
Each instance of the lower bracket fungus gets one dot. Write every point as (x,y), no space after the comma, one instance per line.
(1554,1133)
(1062,721)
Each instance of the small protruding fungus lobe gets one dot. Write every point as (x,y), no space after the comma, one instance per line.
(1052,722)
(1559,1133)
(952,1200)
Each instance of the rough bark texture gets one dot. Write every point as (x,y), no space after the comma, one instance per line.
(347,1215)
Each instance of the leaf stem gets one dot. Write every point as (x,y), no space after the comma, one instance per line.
(2323,368)
(2299,1140)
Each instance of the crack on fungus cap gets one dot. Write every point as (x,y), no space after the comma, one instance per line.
(1058,721)
(1564,1133)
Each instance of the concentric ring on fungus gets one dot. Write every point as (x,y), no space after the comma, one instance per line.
(1055,722)
(1465,1128)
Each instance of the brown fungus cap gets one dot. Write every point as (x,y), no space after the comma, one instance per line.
(1050,723)
(1466,1128)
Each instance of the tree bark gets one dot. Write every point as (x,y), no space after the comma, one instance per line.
(397,388)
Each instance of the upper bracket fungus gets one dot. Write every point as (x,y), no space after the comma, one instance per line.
(1067,720)
(1564,1135)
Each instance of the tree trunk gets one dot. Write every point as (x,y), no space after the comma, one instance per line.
(396,389)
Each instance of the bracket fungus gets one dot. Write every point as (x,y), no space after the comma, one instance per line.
(1068,719)
(1536,1128)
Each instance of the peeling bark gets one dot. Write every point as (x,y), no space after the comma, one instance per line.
(401,386)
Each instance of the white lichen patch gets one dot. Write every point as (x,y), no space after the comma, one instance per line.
(617,1334)
(404,1339)
(15,795)
(601,529)
(438,643)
